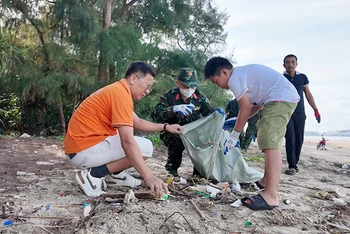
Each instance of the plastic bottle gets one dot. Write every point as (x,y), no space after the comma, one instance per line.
(236,186)
(87,209)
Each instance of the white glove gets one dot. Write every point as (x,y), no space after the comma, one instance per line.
(231,141)
(184,109)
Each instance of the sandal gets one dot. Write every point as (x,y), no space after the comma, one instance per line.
(256,202)
(259,185)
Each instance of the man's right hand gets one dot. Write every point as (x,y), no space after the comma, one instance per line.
(157,186)
(184,109)
(174,128)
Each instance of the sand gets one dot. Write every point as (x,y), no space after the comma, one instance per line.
(38,192)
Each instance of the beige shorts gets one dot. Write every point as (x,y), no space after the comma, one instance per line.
(108,151)
(272,124)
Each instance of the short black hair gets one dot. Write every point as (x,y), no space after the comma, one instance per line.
(288,56)
(139,66)
(215,65)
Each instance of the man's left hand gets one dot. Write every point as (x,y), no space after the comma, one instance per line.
(318,116)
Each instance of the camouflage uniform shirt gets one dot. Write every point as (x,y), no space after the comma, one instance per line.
(163,111)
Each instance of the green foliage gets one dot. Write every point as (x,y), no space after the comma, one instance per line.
(9,52)
(154,137)
(10,115)
(53,60)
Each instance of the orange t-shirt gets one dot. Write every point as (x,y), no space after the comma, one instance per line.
(93,120)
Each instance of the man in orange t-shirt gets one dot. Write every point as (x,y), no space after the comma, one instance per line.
(100,137)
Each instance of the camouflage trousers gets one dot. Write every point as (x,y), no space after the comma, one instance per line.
(247,137)
(175,150)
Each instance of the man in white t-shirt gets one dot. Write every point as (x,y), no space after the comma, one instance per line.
(257,87)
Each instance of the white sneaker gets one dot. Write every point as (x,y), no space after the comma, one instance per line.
(122,179)
(92,186)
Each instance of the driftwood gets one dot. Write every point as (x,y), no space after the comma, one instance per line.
(138,195)
(198,210)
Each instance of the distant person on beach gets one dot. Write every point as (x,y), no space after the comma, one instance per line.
(182,105)
(100,137)
(295,128)
(257,87)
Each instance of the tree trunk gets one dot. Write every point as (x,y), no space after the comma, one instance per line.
(106,23)
(112,72)
(61,115)
(125,9)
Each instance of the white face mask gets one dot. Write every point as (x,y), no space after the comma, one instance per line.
(187,92)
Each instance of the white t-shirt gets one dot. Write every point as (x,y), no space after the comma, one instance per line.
(262,85)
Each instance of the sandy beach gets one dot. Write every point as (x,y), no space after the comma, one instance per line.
(39,194)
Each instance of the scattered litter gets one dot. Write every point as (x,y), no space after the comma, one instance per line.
(214,214)
(23,173)
(202,194)
(44,163)
(164,197)
(237,203)
(25,135)
(8,223)
(236,186)
(87,209)
(345,166)
(183,181)
(287,202)
(109,199)
(253,187)
(248,224)
(130,197)
(169,180)
(339,201)
(48,206)
(213,191)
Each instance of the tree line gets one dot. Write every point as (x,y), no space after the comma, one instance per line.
(54,53)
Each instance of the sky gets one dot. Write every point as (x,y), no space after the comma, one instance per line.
(316,31)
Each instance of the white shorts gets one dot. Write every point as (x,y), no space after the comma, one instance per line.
(108,151)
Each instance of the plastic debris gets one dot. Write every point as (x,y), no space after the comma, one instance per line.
(130,197)
(237,203)
(8,223)
(164,197)
(236,186)
(23,173)
(214,214)
(339,201)
(287,202)
(87,209)
(248,224)
(48,206)
(213,191)
(183,181)
(345,166)
(25,135)
(169,180)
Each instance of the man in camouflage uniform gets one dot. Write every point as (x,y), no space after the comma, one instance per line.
(182,105)
(232,110)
